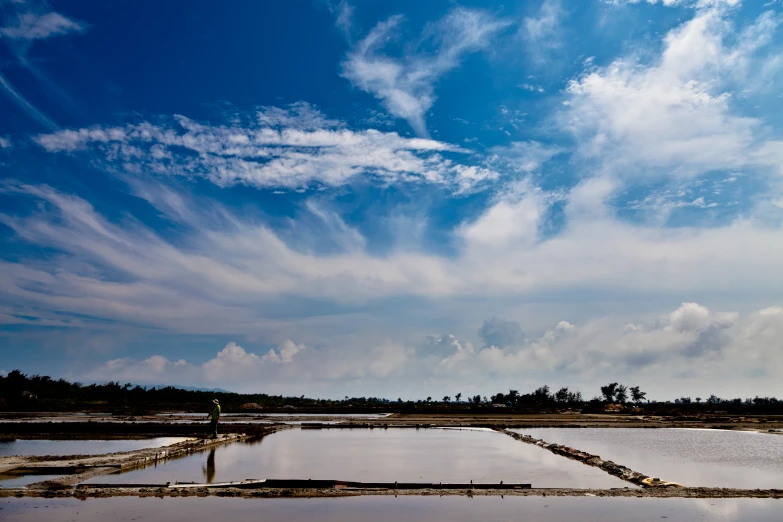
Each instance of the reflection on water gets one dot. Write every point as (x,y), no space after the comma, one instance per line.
(716,458)
(209,470)
(381,455)
(390,509)
(81,447)
(8,480)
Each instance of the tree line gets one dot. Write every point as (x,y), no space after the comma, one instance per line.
(19,392)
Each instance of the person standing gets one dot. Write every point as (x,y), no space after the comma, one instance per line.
(215,416)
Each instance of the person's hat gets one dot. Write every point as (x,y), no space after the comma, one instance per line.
(215,401)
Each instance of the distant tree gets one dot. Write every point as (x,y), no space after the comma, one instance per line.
(542,394)
(698,400)
(621,394)
(477,399)
(685,400)
(575,396)
(513,397)
(609,391)
(562,395)
(637,395)
(458,396)
(446,399)
(429,399)
(713,399)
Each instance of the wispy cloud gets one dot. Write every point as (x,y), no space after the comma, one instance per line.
(25,105)
(542,32)
(291,148)
(406,84)
(32,26)
(343,13)
(523,156)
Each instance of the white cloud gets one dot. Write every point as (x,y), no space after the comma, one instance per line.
(31,26)
(232,364)
(512,220)
(699,4)
(292,148)
(5,143)
(675,115)
(228,267)
(343,12)
(541,33)
(524,156)
(690,350)
(406,85)
(227,275)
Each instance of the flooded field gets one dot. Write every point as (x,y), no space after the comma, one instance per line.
(24,447)
(692,457)
(380,455)
(390,509)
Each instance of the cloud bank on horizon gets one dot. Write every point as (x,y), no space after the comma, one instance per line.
(355,199)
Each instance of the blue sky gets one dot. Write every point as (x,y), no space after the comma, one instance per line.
(398,199)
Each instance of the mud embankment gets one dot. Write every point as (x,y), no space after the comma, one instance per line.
(163,492)
(77,468)
(622,472)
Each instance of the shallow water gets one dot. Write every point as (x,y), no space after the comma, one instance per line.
(379,455)
(716,458)
(391,509)
(24,447)
(17,481)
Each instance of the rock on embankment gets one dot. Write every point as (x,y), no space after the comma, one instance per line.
(627,474)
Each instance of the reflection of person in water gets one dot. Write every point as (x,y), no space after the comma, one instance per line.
(209,471)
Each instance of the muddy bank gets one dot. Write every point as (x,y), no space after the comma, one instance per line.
(107,425)
(617,470)
(77,468)
(115,430)
(332,492)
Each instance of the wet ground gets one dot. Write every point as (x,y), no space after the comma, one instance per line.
(708,458)
(27,447)
(391,509)
(378,455)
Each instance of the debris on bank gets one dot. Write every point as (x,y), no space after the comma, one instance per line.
(622,472)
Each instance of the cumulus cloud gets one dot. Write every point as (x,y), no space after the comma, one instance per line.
(32,26)
(295,148)
(500,332)
(406,85)
(706,345)
(232,364)
(674,116)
